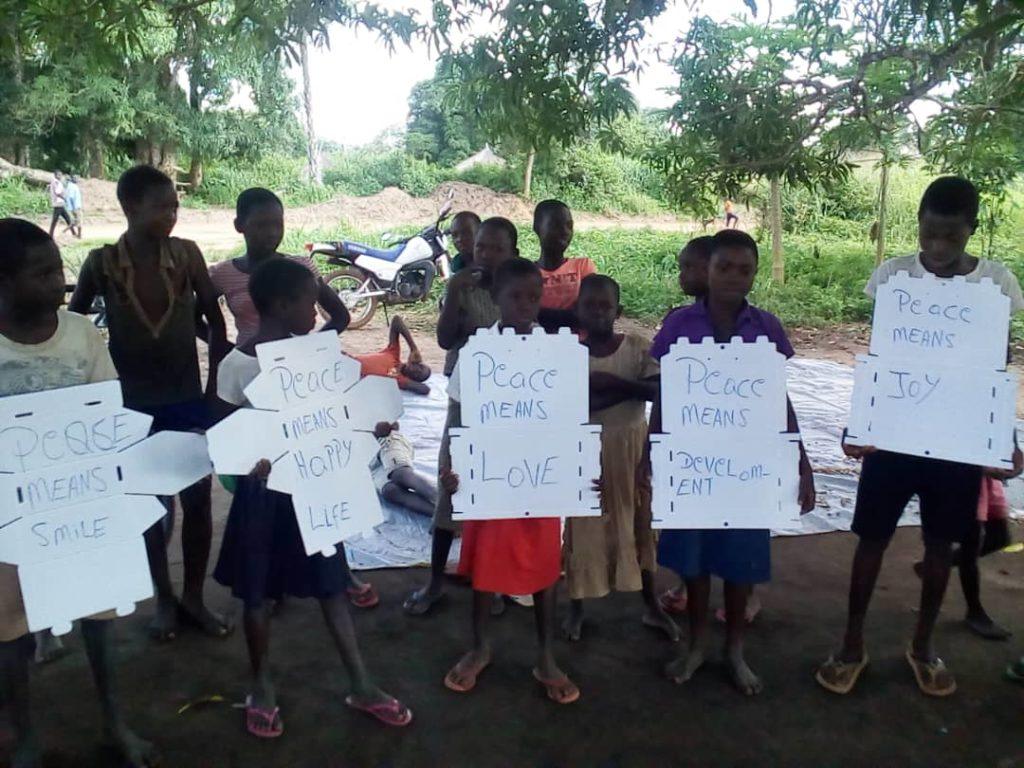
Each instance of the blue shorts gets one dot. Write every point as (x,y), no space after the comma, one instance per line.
(739,556)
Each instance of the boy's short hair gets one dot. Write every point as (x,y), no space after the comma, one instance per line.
(545,207)
(500,222)
(951,196)
(253,198)
(467,215)
(734,238)
(595,282)
(277,278)
(136,182)
(513,269)
(17,236)
(700,246)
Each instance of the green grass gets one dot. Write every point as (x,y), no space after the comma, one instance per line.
(19,199)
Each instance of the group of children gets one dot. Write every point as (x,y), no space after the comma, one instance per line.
(160,297)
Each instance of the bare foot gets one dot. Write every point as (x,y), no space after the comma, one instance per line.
(164,626)
(194,612)
(572,626)
(134,750)
(656,618)
(743,676)
(682,669)
(462,677)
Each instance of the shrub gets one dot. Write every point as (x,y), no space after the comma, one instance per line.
(19,199)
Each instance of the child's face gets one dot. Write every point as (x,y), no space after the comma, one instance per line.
(416,371)
(598,308)
(157,212)
(298,314)
(464,230)
(943,239)
(492,248)
(693,273)
(518,301)
(263,229)
(731,273)
(555,230)
(39,286)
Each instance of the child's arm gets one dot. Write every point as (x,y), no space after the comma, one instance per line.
(643,469)
(86,289)
(207,303)
(607,389)
(807,495)
(449,322)
(333,306)
(449,481)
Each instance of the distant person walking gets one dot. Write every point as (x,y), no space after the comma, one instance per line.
(732,221)
(73,205)
(57,201)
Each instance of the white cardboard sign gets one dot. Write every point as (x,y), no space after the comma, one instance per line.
(72,462)
(935,384)
(725,459)
(526,449)
(315,424)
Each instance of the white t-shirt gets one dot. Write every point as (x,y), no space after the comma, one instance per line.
(997,272)
(75,354)
(56,193)
(234,374)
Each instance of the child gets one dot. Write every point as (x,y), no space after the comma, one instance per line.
(616,550)
(259,217)
(520,557)
(262,557)
(464,229)
(152,285)
(393,473)
(948,491)
(469,306)
(57,201)
(731,219)
(73,203)
(410,375)
(553,225)
(43,347)
(739,557)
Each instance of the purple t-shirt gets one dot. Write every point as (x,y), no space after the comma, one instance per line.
(694,323)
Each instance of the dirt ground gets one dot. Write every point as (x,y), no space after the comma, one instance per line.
(628,717)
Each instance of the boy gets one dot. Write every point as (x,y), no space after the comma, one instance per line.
(73,203)
(740,558)
(553,225)
(57,201)
(43,347)
(153,285)
(464,228)
(388,362)
(948,491)
(469,306)
(393,473)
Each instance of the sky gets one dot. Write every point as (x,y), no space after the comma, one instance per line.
(360,90)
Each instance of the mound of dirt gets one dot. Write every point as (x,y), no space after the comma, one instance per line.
(99,196)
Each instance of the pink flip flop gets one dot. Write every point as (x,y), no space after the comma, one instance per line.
(391,712)
(366,597)
(263,723)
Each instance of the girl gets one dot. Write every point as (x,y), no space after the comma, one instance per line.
(262,557)
(259,217)
(519,557)
(616,550)
(553,225)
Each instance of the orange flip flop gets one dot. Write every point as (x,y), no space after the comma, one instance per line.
(470,676)
(561,691)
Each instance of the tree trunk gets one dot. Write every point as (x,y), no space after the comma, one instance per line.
(22,156)
(775,214)
(168,160)
(316,174)
(883,214)
(528,173)
(195,173)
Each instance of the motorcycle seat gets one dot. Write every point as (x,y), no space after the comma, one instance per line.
(388,254)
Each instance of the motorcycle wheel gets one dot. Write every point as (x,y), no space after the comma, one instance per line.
(346,282)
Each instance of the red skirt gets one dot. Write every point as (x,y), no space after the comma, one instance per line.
(513,557)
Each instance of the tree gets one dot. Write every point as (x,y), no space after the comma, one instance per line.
(437,129)
(550,72)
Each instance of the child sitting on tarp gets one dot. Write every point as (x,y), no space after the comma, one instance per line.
(393,473)
(411,374)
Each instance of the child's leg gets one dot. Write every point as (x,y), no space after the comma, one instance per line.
(164,625)
(559,687)
(867,562)
(698,590)
(419,602)
(14,695)
(256,622)
(196,538)
(417,483)
(735,624)
(934,578)
(462,676)
(654,613)
(572,627)
(135,750)
(343,632)
(354,582)
(396,494)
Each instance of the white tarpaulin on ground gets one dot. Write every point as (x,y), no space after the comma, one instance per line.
(819,389)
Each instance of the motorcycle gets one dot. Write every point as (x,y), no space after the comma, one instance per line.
(401,273)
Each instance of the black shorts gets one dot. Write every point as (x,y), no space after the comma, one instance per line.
(948,492)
